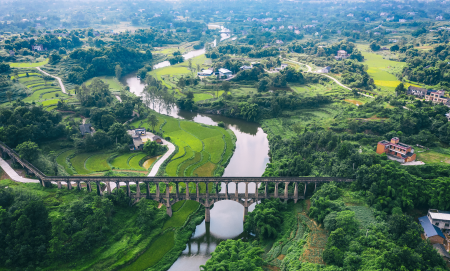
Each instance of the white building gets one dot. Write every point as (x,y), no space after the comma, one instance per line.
(439,18)
(439,219)
(207,72)
(225,73)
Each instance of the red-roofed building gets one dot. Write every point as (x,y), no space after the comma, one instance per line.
(396,151)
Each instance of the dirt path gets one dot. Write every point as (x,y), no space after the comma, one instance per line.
(63,88)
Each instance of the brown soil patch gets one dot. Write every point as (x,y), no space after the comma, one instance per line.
(316,242)
(159,205)
(4,176)
(272,268)
(308,205)
(281,257)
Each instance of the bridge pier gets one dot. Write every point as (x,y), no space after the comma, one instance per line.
(256,192)
(295,192)
(138,190)
(286,191)
(226,191)
(157,192)
(88,186)
(187,191)
(177,195)
(217,190)
(207,215)
(99,189)
(304,193)
(69,185)
(117,187)
(168,207)
(276,190)
(236,192)
(128,189)
(148,189)
(108,188)
(59,185)
(197,190)
(315,186)
(266,190)
(79,186)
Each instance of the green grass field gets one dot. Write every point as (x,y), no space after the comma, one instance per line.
(178,218)
(62,160)
(134,161)
(78,163)
(114,84)
(172,167)
(154,253)
(28,65)
(435,155)
(121,161)
(98,162)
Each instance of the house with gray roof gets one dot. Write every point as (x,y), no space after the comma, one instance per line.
(432,232)
(86,129)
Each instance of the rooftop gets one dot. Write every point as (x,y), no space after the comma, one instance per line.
(429,229)
(222,70)
(441,215)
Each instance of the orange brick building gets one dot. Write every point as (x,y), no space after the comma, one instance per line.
(396,151)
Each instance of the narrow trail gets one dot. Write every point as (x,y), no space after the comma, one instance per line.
(332,78)
(63,88)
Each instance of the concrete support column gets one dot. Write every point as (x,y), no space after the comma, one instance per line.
(147,184)
(138,190)
(167,191)
(79,186)
(69,185)
(236,192)
(246,191)
(197,189)
(168,207)
(207,191)
(304,193)
(266,190)
(177,191)
(187,191)
(108,188)
(99,189)
(256,193)
(117,187)
(207,214)
(216,184)
(315,186)
(157,191)
(59,185)
(128,189)
(276,190)
(245,209)
(286,191)
(226,190)
(295,192)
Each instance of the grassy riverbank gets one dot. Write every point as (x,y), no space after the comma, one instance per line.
(124,241)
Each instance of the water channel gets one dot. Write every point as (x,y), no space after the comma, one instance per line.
(249,160)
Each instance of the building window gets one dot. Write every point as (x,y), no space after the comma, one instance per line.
(446,224)
(437,223)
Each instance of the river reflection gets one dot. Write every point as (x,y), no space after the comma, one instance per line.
(249,160)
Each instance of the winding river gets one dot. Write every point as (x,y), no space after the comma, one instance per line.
(249,160)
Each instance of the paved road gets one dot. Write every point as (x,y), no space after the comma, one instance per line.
(13,174)
(162,159)
(63,88)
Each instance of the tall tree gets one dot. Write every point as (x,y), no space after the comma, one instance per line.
(118,71)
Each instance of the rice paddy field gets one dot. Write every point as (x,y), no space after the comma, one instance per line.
(201,148)
(114,84)
(39,91)
(28,64)
(94,163)
(383,70)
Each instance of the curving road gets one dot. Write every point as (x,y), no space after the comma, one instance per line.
(63,88)
(13,174)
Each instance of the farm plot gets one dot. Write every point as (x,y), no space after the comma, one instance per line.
(78,163)
(197,158)
(98,162)
(180,216)
(121,162)
(135,161)
(172,167)
(316,242)
(62,160)
(28,64)
(364,215)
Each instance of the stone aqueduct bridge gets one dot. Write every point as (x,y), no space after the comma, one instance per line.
(171,196)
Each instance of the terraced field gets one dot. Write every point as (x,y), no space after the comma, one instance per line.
(62,160)
(121,162)
(201,148)
(98,162)
(41,92)
(78,163)
(134,161)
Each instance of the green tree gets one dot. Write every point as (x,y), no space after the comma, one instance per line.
(153,120)
(28,150)
(226,86)
(9,95)
(118,71)
(107,121)
(151,148)
(400,89)
(117,132)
